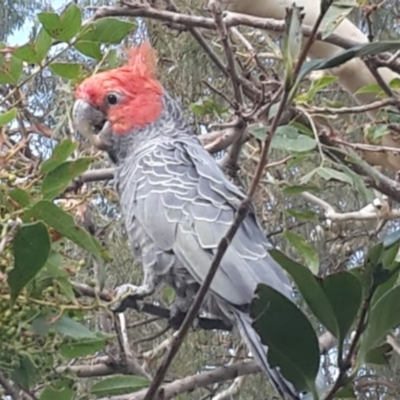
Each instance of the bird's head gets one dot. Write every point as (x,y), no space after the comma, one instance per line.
(121,100)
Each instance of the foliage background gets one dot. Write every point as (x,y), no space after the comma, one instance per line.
(42,97)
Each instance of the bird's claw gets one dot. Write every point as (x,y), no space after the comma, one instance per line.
(176,316)
(125,296)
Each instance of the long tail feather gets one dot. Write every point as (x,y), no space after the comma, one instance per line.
(251,338)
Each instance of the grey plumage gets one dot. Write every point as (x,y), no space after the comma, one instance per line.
(177,205)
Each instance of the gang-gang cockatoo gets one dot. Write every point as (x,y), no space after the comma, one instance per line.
(176,202)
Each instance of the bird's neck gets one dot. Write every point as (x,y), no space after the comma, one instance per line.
(170,125)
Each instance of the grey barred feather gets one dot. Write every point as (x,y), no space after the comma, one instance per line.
(178,205)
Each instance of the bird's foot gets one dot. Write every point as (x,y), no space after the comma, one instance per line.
(176,316)
(178,311)
(126,296)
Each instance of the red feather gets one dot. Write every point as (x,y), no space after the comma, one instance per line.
(141,92)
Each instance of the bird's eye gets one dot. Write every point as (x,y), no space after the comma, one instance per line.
(112,99)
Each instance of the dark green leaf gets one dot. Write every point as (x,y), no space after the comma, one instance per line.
(82,347)
(64,326)
(289,139)
(66,70)
(58,179)
(374,133)
(51,393)
(31,247)
(89,48)
(59,276)
(330,173)
(304,249)
(21,196)
(345,393)
(310,289)
(385,285)
(204,107)
(389,255)
(43,44)
(335,14)
(368,49)
(302,215)
(367,194)
(344,293)
(34,52)
(60,153)
(118,385)
(10,71)
(8,116)
(379,355)
(293,345)
(384,317)
(65,26)
(107,30)
(259,133)
(25,374)
(26,53)
(64,224)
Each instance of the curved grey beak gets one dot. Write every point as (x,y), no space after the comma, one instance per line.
(88,120)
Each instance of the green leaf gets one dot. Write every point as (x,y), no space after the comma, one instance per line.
(302,215)
(34,52)
(345,393)
(292,41)
(375,132)
(259,133)
(205,107)
(25,374)
(310,289)
(389,254)
(330,173)
(31,247)
(64,224)
(336,13)
(368,49)
(90,49)
(344,293)
(60,153)
(26,53)
(379,355)
(8,116)
(107,30)
(43,44)
(304,249)
(61,278)
(65,26)
(64,326)
(289,139)
(367,194)
(297,189)
(118,385)
(373,88)
(51,393)
(10,71)
(21,196)
(66,70)
(384,317)
(58,179)
(293,345)
(310,94)
(82,347)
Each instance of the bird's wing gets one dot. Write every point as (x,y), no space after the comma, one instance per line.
(185,204)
